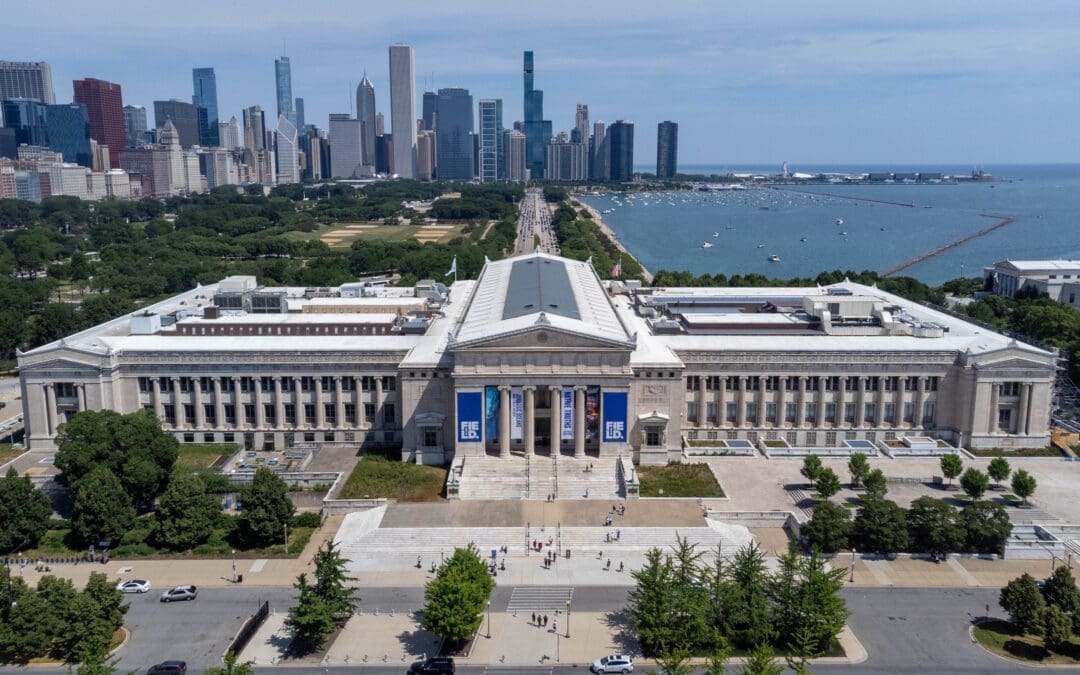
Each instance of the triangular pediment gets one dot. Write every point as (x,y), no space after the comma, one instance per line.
(62,358)
(1009,359)
(544,337)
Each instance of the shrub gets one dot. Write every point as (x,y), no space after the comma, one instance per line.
(307,519)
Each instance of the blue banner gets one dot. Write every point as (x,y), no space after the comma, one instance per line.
(491,412)
(517,414)
(567,414)
(470,416)
(613,409)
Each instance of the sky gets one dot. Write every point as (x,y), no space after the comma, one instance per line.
(750,82)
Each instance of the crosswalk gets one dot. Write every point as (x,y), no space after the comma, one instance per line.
(539,598)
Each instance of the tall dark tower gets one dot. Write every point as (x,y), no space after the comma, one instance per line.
(537,129)
(620,138)
(667,149)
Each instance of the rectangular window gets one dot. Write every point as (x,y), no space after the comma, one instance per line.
(208,438)
(347,384)
(931,384)
(288,384)
(309,436)
(693,383)
(389,383)
(1009,389)
(873,383)
(189,413)
(309,413)
(772,383)
(869,413)
(731,383)
(909,412)
(692,412)
(890,413)
(851,383)
(269,413)
(849,413)
(290,414)
(1004,421)
(830,413)
(350,412)
(928,414)
(652,437)
(327,383)
(729,412)
(230,413)
(710,412)
(712,383)
(210,414)
(791,383)
(431,438)
(389,415)
(910,383)
(789,412)
(751,412)
(811,438)
(206,384)
(169,411)
(249,413)
(329,436)
(330,413)
(832,383)
(892,383)
(266,384)
(812,384)
(369,413)
(228,437)
(770,413)
(367,383)
(189,438)
(753,383)
(144,385)
(830,438)
(811,413)
(307,384)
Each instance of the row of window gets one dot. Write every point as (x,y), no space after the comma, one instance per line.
(266,384)
(810,437)
(187,410)
(813,383)
(290,439)
(830,411)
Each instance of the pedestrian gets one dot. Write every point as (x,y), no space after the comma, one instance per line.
(545,620)
(555,626)
(618,535)
(613,507)
(586,493)
(534,617)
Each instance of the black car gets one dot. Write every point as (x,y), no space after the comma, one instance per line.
(168,667)
(438,665)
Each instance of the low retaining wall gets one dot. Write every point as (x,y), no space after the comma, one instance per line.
(820,452)
(335,507)
(291,478)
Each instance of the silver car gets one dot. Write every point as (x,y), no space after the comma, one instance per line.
(617,663)
(188,592)
(133,586)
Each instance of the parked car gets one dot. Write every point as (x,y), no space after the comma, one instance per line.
(188,592)
(437,665)
(616,663)
(168,667)
(133,586)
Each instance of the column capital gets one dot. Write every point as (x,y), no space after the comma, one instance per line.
(337,378)
(277,378)
(50,385)
(528,387)
(580,387)
(504,387)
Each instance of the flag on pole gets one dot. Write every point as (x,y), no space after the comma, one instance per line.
(453,268)
(616,272)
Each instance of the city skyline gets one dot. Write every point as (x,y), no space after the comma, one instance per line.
(837,83)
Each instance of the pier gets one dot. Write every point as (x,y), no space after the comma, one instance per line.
(1002,222)
(909,205)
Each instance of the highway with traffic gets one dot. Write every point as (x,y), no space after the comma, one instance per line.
(534,220)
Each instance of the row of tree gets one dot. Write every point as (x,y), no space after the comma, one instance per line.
(1051,611)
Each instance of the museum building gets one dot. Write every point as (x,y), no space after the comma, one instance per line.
(540,355)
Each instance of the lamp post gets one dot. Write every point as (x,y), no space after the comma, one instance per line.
(489,619)
(234,566)
(286,526)
(567,619)
(852,579)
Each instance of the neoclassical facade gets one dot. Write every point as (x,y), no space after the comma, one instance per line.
(540,355)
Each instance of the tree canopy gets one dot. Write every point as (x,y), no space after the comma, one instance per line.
(454,600)
(24,513)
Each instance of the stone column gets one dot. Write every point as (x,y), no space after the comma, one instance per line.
(800,403)
(159,405)
(219,405)
(920,400)
(781,402)
(530,419)
(178,406)
(279,404)
(320,411)
(898,404)
(80,390)
(260,412)
(860,401)
(556,420)
(200,414)
(378,401)
(358,399)
(699,397)
(760,398)
(721,403)
(579,422)
(504,421)
(1022,411)
(238,405)
(339,403)
(50,408)
(819,420)
(740,403)
(298,403)
(879,404)
(992,418)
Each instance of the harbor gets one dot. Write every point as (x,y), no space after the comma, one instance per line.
(610,234)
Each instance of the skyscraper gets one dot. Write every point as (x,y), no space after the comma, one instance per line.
(490,111)
(288,161)
(69,132)
(425,155)
(365,112)
(27,117)
(431,109)
(229,134)
(537,129)
(566,160)
(581,124)
(26,79)
(380,124)
(403,109)
(104,103)
(453,134)
(134,126)
(298,114)
(346,151)
(598,152)
(667,149)
(204,98)
(254,128)
(514,142)
(185,119)
(283,82)
(620,138)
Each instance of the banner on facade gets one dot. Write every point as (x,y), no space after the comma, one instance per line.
(592,413)
(614,410)
(567,414)
(470,416)
(517,414)
(491,413)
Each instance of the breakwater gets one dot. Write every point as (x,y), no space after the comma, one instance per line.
(1002,222)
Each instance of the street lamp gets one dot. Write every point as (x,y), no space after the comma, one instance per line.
(234,566)
(568,619)
(852,579)
(286,526)
(489,619)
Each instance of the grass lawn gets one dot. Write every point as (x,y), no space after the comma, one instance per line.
(679,480)
(375,477)
(203,456)
(1001,637)
(9,452)
(1048,451)
(342,235)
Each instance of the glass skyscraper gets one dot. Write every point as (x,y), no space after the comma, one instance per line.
(27,118)
(403,109)
(205,99)
(667,149)
(283,81)
(537,129)
(134,125)
(69,132)
(453,134)
(620,138)
(490,110)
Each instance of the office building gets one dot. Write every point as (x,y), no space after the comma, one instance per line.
(598,152)
(454,134)
(384,154)
(425,155)
(229,134)
(430,110)
(134,126)
(99,156)
(667,149)
(254,128)
(283,87)
(514,147)
(104,103)
(286,151)
(346,146)
(68,128)
(298,113)
(620,139)
(566,160)
(27,117)
(185,119)
(581,125)
(403,109)
(26,79)
(8,146)
(380,124)
(490,113)
(365,113)
(204,98)
(537,129)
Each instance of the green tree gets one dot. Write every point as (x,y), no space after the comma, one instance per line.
(24,513)
(1057,628)
(875,483)
(999,470)
(266,509)
(761,660)
(716,662)
(1024,603)
(951,466)
(454,600)
(811,468)
(858,466)
(331,581)
(652,602)
(975,483)
(311,620)
(186,514)
(828,528)
(59,597)
(675,661)
(747,618)
(1023,484)
(102,510)
(986,527)
(933,526)
(828,483)
(1060,590)
(231,667)
(801,650)
(881,526)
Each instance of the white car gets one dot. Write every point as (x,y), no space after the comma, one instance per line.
(188,592)
(133,586)
(616,663)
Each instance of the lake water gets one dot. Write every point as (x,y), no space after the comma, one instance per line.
(667,230)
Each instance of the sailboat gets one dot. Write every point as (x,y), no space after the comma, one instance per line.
(706,244)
